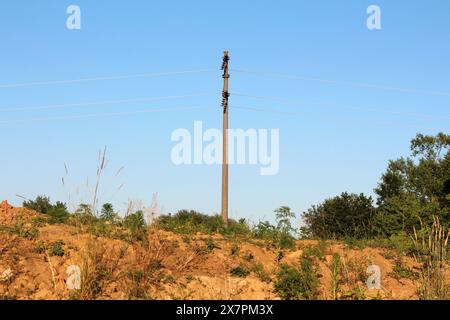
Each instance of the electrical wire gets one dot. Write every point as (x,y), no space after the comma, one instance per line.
(105,102)
(125,113)
(304,104)
(352,84)
(102,78)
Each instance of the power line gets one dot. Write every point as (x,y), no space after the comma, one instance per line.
(303,104)
(335,119)
(120,77)
(263,110)
(352,84)
(105,102)
(150,110)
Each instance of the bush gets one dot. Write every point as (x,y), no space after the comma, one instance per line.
(297,283)
(239,271)
(57,249)
(57,212)
(24,230)
(348,215)
(281,235)
(190,221)
(136,224)
(108,213)
(317,251)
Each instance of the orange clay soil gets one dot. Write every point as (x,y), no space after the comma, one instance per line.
(173,266)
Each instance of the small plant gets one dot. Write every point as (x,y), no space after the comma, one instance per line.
(234,251)
(210,244)
(40,247)
(138,288)
(401,271)
(248,256)
(189,278)
(317,250)
(297,283)
(261,273)
(335,278)
(357,293)
(57,249)
(239,271)
(279,256)
(353,271)
(24,230)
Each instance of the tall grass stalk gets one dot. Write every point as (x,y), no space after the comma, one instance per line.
(431,245)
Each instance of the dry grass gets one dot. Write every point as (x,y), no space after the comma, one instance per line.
(93,270)
(431,250)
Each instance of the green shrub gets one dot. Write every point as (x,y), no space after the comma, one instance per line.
(317,250)
(108,213)
(347,215)
(261,273)
(57,249)
(210,244)
(40,247)
(136,224)
(281,235)
(297,283)
(401,271)
(239,271)
(190,222)
(57,212)
(24,230)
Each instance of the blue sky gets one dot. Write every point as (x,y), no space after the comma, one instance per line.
(336,142)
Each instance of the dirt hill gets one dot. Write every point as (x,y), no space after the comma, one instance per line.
(37,259)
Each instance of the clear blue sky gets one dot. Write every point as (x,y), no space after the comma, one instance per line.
(335,144)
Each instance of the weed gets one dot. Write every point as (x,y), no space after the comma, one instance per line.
(317,250)
(234,251)
(189,278)
(93,271)
(261,273)
(401,271)
(239,271)
(248,256)
(210,245)
(356,294)
(297,283)
(335,275)
(57,249)
(40,247)
(24,230)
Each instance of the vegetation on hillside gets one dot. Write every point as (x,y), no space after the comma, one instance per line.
(410,214)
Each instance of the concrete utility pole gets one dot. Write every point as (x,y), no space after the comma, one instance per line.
(225,96)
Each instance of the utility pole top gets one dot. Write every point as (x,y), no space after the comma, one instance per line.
(225,96)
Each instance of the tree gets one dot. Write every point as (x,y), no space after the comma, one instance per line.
(424,175)
(107,213)
(347,215)
(136,224)
(284,215)
(57,212)
(398,213)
